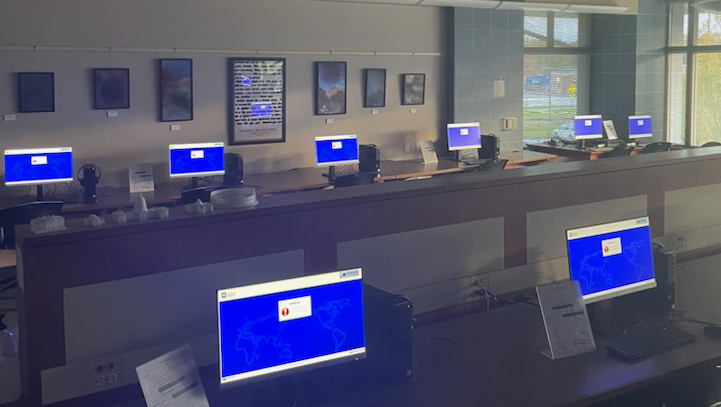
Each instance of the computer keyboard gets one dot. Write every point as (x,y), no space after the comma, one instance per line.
(635,347)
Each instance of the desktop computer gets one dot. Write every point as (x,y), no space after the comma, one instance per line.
(336,150)
(617,259)
(38,166)
(612,259)
(588,127)
(490,149)
(639,127)
(465,138)
(369,158)
(284,327)
(196,160)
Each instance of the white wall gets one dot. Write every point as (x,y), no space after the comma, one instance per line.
(74,36)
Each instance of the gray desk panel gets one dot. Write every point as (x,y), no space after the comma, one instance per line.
(546,230)
(118,316)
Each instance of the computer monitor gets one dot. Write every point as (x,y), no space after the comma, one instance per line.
(282,327)
(196,160)
(462,136)
(38,166)
(639,127)
(612,259)
(588,127)
(336,150)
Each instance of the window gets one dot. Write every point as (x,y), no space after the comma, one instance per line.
(555,72)
(694,75)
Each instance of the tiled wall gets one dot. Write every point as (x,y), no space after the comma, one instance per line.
(628,66)
(486,44)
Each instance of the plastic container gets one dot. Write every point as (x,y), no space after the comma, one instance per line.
(10,389)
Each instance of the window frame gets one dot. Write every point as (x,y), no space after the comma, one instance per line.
(691,49)
(583,51)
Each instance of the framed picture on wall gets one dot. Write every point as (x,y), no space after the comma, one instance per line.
(112,88)
(414,88)
(330,94)
(375,88)
(36,92)
(257,100)
(176,90)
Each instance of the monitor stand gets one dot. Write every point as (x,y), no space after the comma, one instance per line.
(39,194)
(192,184)
(331,173)
(288,391)
(613,317)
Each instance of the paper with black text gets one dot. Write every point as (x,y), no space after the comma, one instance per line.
(172,380)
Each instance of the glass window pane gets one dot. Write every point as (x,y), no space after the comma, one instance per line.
(550,89)
(678,22)
(535,29)
(707,103)
(709,28)
(677,98)
(565,30)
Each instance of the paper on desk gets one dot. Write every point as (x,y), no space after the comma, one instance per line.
(610,130)
(172,380)
(141,177)
(566,319)
(428,149)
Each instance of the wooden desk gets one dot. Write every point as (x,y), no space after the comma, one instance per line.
(571,151)
(111,198)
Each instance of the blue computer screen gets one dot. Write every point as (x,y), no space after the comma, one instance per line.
(639,126)
(588,127)
(261,109)
(252,335)
(611,260)
(196,159)
(336,150)
(460,137)
(38,166)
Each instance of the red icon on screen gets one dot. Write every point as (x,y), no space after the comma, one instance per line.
(285,312)
(605,249)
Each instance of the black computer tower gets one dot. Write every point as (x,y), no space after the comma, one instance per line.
(489,147)
(369,156)
(389,325)
(233,170)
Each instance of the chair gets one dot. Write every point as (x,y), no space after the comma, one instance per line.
(493,165)
(711,144)
(656,147)
(354,179)
(620,150)
(22,214)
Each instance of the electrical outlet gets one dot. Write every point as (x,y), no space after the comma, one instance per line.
(406,147)
(106,372)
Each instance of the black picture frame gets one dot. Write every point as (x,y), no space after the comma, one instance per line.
(374,87)
(112,88)
(330,87)
(414,89)
(36,92)
(176,89)
(245,126)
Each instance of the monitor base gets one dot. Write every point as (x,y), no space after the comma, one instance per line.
(330,174)
(288,391)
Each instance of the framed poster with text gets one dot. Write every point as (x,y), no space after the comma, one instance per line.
(257,100)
